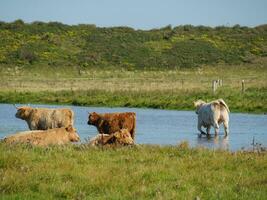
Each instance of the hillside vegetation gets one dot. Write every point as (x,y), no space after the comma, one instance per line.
(87,46)
(165,68)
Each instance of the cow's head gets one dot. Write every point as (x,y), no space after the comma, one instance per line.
(123,137)
(23,112)
(73,135)
(93,118)
(198,105)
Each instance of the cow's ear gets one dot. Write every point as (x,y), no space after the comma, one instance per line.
(216,103)
(69,128)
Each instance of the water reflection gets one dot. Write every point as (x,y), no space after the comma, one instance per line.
(211,141)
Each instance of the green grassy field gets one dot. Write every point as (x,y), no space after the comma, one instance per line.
(254,100)
(166,89)
(142,172)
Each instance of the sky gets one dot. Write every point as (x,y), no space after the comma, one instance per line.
(138,14)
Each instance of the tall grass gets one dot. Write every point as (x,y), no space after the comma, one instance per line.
(169,89)
(253,100)
(143,172)
(41,79)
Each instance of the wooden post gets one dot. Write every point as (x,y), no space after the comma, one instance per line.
(214,86)
(243,86)
(220,82)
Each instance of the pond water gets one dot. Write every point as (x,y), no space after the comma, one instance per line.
(154,126)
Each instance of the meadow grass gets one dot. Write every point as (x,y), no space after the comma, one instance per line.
(66,78)
(253,100)
(140,172)
(166,89)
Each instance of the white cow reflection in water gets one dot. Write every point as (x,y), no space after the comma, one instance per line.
(218,142)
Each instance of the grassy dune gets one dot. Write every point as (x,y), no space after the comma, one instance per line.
(143,172)
(86,46)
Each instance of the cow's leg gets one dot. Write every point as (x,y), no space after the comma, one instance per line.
(226,128)
(216,128)
(105,139)
(199,128)
(208,130)
(132,133)
(32,125)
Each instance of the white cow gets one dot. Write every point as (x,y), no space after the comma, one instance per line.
(212,114)
(45,118)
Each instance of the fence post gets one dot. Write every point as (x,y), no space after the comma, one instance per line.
(243,86)
(220,82)
(214,86)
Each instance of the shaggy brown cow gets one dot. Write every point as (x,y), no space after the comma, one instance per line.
(112,122)
(56,136)
(44,118)
(121,137)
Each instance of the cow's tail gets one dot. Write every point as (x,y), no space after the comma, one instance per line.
(134,126)
(71,117)
(221,101)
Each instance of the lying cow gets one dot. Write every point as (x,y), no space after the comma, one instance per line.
(111,122)
(121,137)
(44,118)
(212,114)
(56,136)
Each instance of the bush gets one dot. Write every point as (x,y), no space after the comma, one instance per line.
(27,54)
